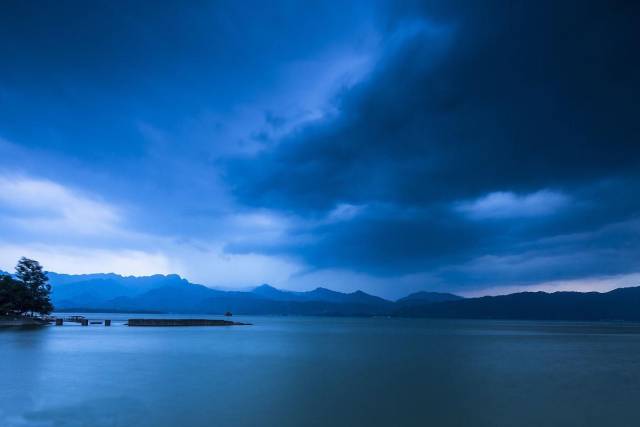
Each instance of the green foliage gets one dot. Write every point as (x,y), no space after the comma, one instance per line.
(28,293)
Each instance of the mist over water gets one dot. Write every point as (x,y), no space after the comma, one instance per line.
(289,371)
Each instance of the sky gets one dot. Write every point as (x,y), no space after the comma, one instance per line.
(452,146)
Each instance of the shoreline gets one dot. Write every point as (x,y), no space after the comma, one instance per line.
(21,321)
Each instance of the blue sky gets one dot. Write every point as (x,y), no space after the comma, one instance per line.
(448,146)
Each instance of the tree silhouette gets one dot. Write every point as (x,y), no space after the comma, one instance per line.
(14,296)
(28,293)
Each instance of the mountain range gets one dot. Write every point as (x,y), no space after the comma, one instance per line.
(173,294)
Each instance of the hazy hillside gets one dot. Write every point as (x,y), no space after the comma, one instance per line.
(427,298)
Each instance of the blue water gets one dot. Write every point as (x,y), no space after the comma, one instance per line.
(303,371)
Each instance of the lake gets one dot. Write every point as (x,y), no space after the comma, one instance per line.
(309,371)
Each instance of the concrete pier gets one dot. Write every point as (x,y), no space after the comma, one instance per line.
(182,322)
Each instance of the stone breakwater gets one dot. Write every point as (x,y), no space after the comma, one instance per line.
(183,322)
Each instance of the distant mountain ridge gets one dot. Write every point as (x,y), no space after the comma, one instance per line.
(618,304)
(173,294)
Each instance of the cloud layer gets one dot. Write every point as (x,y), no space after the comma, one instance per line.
(521,115)
(444,145)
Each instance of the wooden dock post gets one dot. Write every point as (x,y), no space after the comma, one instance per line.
(107,322)
(85,322)
(59,321)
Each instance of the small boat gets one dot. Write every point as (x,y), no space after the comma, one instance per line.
(228,314)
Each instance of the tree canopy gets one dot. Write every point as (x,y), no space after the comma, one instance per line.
(27,292)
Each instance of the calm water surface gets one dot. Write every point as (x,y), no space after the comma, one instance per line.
(291,371)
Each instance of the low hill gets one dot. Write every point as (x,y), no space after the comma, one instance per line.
(427,298)
(619,304)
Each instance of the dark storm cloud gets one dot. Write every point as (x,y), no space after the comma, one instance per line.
(513,97)
(382,240)
(473,143)
(113,64)
(518,98)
